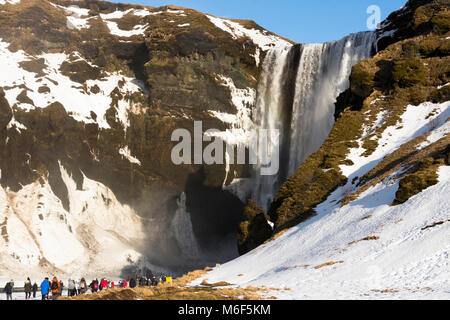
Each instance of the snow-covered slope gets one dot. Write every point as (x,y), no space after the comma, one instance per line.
(367,248)
(98,235)
(398,259)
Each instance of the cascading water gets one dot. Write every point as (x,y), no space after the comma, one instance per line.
(183,231)
(269,111)
(323,74)
(304,114)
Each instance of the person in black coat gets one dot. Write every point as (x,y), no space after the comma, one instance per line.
(35,287)
(8,290)
(132,283)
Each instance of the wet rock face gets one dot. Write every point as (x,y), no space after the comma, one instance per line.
(172,68)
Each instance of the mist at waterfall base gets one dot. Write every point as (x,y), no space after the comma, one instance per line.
(297,93)
(176,240)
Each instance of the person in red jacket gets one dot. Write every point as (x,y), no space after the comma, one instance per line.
(104,284)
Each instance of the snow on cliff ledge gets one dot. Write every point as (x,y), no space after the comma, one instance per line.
(263,39)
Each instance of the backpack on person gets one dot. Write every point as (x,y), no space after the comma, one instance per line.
(55,285)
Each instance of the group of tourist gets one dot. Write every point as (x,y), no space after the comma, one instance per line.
(54,288)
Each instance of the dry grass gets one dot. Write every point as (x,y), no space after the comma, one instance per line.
(364,239)
(178,290)
(217,284)
(326,264)
(435,224)
(277,235)
(385,291)
(173,292)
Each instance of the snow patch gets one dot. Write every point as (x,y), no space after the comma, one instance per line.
(9,1)
(145,13)
(175,11)
(443,86)
(115,15)
(114,29)
(78,104)
(125,151)
(415,121)
(263,39)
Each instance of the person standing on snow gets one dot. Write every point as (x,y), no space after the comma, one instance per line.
(70,287)
(45,288)
(27,289)
(35,287)
(103,284)
(132,283)
(94,286)
(9,290)
(77,287)
(61,286)
(83,286)
(55,288)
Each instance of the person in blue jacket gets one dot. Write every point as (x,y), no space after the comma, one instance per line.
(45,287)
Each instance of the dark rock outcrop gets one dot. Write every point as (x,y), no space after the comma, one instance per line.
(254,230)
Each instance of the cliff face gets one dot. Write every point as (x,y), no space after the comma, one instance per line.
(92,91)
(411,67)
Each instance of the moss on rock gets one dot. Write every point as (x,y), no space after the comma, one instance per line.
(413,183)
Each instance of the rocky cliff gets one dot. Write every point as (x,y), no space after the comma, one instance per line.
(90,93)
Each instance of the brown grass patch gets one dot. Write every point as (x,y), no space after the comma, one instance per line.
(435,224)
(326,264)
(178,290)
(277,235)
(364,239)
(385,290)
(217,284)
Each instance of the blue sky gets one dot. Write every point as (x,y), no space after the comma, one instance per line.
(303,21)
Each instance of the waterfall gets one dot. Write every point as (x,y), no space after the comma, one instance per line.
(296,95)
(269,112)
(183,231)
